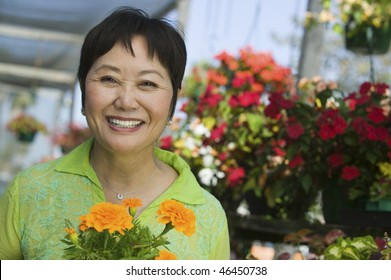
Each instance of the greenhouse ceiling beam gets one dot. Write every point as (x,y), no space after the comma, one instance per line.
(35,73)
(14,31)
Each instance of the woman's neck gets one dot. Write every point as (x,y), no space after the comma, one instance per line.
(123,173)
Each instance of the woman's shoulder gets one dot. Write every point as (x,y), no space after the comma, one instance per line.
(213,203)
(38,170)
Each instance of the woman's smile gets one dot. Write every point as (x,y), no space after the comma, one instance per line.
(121,123)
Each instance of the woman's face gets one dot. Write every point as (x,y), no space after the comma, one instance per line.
(127,98)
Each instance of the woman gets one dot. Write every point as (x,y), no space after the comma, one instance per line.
(130,73)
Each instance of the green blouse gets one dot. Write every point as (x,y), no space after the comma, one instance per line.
(35,204)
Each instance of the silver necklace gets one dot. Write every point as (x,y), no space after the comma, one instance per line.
(121,196)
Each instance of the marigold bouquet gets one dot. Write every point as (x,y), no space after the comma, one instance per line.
(110,232)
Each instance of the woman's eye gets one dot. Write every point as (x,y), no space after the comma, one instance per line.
(108,80)
(148,84)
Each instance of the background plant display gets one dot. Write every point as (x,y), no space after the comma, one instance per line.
(334,139)
(246,130)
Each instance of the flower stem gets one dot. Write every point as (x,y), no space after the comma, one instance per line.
(168,227)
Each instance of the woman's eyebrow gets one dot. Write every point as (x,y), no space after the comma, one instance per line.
(109,67)
(145,72)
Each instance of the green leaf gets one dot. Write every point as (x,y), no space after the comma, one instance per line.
(350,253)
(307,182)
(333,252)
(371,156)
(242,138)
(250,184)
(255,122)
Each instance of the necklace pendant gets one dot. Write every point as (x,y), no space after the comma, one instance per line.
(120,196)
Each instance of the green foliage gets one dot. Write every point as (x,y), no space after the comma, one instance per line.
(346,248)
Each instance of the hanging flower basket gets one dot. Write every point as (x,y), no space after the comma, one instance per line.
(25,127)
(26,137)
(366,39)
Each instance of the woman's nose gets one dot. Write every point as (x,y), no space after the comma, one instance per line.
(127,99)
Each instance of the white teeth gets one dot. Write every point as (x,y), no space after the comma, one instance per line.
(125,124)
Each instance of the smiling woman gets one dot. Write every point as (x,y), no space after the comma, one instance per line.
(127,95)
(131,70)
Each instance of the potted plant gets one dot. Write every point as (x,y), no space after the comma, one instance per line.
(25,127)
(365,23)
(333,142)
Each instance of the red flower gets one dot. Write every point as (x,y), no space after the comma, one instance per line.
(235,176)
(357,99)
(376,114)
(360,126)
(335,160)
(295,129)
(349,173)
(272,110)
(242,78)
(277,103)
(218,132)
(247,99)
(296,161)
(210,98)
(381,88)
(331,124)
(166,142)
(365,87)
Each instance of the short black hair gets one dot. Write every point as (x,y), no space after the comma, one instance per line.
(164,39)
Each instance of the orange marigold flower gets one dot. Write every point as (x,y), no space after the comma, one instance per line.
(83,226)
(174,212)
(166,255)
(132,202)
(109,216)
